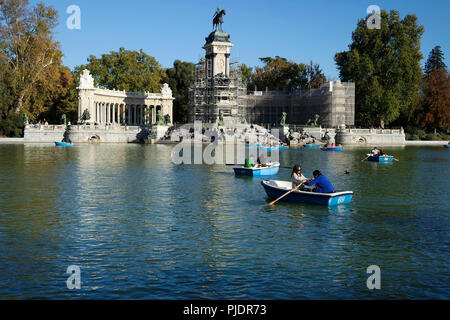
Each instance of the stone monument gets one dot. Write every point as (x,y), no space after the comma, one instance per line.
(217,88)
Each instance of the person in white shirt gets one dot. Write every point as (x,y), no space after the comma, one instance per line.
(296,176)
(375,152)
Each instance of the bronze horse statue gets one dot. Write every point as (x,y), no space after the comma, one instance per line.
(218,19)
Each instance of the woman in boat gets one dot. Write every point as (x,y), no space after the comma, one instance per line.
(297,177)
(320,182)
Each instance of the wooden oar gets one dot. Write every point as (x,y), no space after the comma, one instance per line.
(284,195)
(396,159)
(365,159)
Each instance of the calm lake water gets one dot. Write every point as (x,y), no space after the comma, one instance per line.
(140,227)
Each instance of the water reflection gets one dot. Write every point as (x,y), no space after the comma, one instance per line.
(141,227)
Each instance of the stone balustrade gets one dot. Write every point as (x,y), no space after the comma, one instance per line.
(370,136)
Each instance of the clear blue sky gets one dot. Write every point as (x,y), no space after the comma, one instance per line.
(176,29)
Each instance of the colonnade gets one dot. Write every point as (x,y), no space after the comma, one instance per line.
(129,114)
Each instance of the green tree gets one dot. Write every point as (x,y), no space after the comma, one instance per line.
(277,74)
(246,73)
(180,78)
(125,70)
(385,66)
(62,98)
(6,90)
(26,42)
(280,74)
(435,60)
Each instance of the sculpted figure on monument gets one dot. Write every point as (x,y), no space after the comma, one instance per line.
(283,119)
(221,123)
(160,119)
(326,137)
(218,19)
(313,123)
(167,119)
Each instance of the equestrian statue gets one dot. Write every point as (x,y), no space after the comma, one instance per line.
(218,19)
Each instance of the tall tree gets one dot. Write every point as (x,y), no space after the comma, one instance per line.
(435,60)
(180,78)
(125,70)
(385,66)
(435,104)
(26,41)
(437,100)
(6,89)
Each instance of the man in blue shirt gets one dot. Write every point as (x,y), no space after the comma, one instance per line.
(321,183)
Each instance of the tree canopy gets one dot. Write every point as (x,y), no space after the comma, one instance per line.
(385,66)
(435,60)
(33,80)
(435,104)
(27,45)
(180,78)
(125,70)
(280,74)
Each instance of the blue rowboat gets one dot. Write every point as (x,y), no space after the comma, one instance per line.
(379,158)
(63,144)
(276,189)
(275,148)
(311,146)
(333,149)
(447,146)
(269,170)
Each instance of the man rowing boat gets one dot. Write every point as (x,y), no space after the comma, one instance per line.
(320,183)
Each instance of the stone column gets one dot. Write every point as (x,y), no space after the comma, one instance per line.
(227,64)
(135,113)
(153,114)
(146,115)
(123,112)
(113,118)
